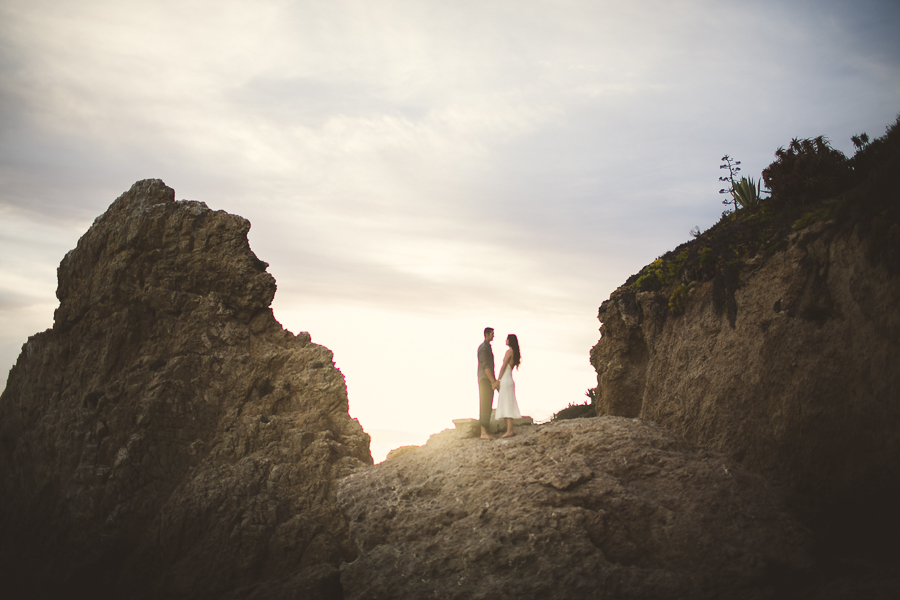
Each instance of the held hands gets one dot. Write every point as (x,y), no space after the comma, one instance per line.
(495,385)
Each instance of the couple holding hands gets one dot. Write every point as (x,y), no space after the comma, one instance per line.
(507,407)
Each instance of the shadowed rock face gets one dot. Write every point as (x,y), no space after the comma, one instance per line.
(803,388)
(593,508)
(167,437)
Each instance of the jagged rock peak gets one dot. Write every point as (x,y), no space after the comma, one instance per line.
(165,254)
(167,437)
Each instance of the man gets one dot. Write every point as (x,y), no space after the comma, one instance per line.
(487,383)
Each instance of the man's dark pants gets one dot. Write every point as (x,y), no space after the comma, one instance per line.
(486,395)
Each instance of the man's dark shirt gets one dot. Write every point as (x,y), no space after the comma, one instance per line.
(485,359)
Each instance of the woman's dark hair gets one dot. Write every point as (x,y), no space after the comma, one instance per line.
(513,342)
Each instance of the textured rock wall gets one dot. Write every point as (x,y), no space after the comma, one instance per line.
(167,437)
(592,508)
(804,388)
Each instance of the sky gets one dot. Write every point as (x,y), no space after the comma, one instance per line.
(417,170)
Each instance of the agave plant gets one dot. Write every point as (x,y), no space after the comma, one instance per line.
(746,193)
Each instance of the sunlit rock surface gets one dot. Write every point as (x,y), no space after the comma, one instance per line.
(592,508)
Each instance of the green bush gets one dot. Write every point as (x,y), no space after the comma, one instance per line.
(678,299)
(811,217)
(808,170)
(872,154)
(575,411)
(660,273)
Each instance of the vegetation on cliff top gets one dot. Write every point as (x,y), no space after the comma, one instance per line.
(578,411)
(809,181)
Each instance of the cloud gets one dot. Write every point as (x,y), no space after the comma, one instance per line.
(427,165)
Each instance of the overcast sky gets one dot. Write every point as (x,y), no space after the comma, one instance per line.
(417,170)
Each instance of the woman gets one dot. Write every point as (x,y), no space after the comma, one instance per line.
(507,407)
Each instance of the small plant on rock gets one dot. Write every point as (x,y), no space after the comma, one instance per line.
(733,169)
(745,193)
(678,299)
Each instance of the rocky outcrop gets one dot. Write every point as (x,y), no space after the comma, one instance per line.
(592,508)
(799,379)
(167,438)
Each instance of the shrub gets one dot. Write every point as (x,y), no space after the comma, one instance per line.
(660,272)
(871,154)
(707,258)
(678,299)
(650,277)
(575,411)
(811,217)
(808,170)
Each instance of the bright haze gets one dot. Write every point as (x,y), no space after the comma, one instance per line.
(415,171)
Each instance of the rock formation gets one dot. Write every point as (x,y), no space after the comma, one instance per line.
(593,508)
(167,438)
(785,357)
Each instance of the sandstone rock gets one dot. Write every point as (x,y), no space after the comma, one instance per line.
(398,452)
(802,389)
(167,437)
(471,427)
(594,508)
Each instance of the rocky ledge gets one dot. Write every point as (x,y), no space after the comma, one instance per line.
(606,507)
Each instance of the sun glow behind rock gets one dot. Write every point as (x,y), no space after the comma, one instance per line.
(409,375)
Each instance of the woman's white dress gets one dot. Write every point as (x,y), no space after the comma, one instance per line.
(507,407)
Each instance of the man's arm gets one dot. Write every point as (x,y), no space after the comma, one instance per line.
(490,373)
(485,357)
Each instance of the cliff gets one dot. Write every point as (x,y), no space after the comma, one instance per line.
(775,339)
(167,438)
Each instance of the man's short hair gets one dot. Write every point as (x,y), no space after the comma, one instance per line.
(488,330)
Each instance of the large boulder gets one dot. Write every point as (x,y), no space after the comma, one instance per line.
(593,508)
(167,437)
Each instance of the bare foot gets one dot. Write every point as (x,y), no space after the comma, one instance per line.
(508,434)
(487,436)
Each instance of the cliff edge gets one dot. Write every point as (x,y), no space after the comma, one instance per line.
(774,338)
